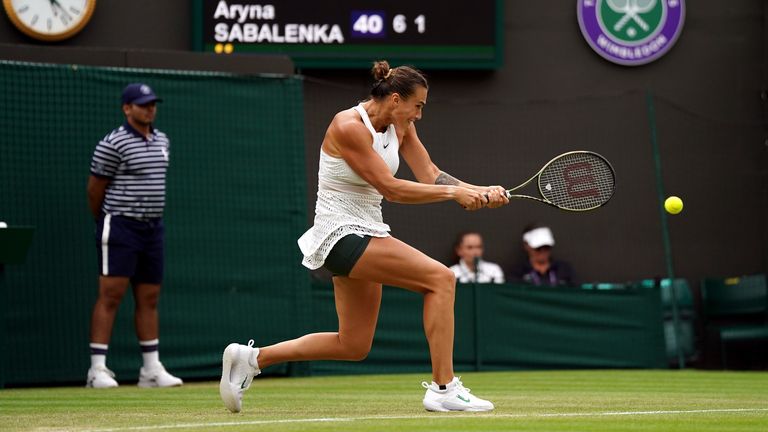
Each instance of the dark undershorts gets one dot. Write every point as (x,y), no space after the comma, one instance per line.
(345,253)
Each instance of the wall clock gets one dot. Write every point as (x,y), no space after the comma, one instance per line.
(49,20)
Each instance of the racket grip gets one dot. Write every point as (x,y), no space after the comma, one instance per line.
(488,199)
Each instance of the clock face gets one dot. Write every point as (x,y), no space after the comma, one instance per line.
(49,19)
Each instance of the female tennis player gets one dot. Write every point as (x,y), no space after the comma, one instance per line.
(358,160)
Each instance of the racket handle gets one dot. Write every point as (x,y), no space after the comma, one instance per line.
(488,199)
(506,192)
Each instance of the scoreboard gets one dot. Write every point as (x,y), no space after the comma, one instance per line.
(353,33)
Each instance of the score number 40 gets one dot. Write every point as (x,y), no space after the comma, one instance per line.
(373,24)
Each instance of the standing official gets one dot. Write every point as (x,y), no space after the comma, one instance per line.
(126,194)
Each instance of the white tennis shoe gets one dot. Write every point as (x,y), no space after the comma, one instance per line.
(455,397)
(157,376)
(100,377)
(238,367)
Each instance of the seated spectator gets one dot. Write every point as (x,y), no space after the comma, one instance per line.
(540,268)
(471,267)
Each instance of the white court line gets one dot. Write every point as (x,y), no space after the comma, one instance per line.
(426,416)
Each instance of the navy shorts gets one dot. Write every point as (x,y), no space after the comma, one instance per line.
(345,253)
(130,247)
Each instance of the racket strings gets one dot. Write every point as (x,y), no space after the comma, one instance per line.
(577,181)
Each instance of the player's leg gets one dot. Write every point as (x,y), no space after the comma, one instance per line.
(390,261)
(395,263)
(357,307)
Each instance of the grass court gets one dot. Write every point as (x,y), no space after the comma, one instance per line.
(589,401)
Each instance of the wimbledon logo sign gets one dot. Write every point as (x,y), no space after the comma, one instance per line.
(631,32)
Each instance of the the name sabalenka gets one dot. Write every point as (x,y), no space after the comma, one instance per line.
(243,30)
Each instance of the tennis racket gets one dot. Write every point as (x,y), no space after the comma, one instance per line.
(573,181)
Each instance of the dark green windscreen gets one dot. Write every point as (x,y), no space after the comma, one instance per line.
(235,207)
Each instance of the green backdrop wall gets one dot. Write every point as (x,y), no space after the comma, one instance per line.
(235,206)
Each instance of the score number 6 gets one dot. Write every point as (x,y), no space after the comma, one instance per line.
(400,24)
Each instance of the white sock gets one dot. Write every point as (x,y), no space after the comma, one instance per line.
(98,354)
(252,359)
(150,353)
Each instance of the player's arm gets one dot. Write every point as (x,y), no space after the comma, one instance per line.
(97,190)
(417,158)
(352,141)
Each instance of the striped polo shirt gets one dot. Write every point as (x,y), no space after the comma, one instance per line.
(136,167)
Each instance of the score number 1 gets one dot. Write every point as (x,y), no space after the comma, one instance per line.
(370,24)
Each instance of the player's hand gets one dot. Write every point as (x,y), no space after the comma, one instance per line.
(496,196)
(470,199)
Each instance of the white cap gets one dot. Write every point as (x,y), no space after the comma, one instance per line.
(3,225)
(539,237)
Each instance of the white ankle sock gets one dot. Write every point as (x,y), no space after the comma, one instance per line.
(150,353)
(98,354)
(252,360)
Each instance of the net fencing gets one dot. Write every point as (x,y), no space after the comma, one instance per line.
(234,208)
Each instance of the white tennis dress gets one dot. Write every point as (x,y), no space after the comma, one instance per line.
(347,204)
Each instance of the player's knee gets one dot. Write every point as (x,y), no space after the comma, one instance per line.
(450,278)
(358,352)
(445,281)
(359,355)
(354,346)
(439,280)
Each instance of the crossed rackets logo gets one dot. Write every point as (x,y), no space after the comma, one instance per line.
(631,20)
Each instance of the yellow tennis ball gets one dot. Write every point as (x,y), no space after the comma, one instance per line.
(673,205)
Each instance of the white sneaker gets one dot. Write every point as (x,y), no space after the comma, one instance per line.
(100,377)
(157,376)
(238,368)
(455,397)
